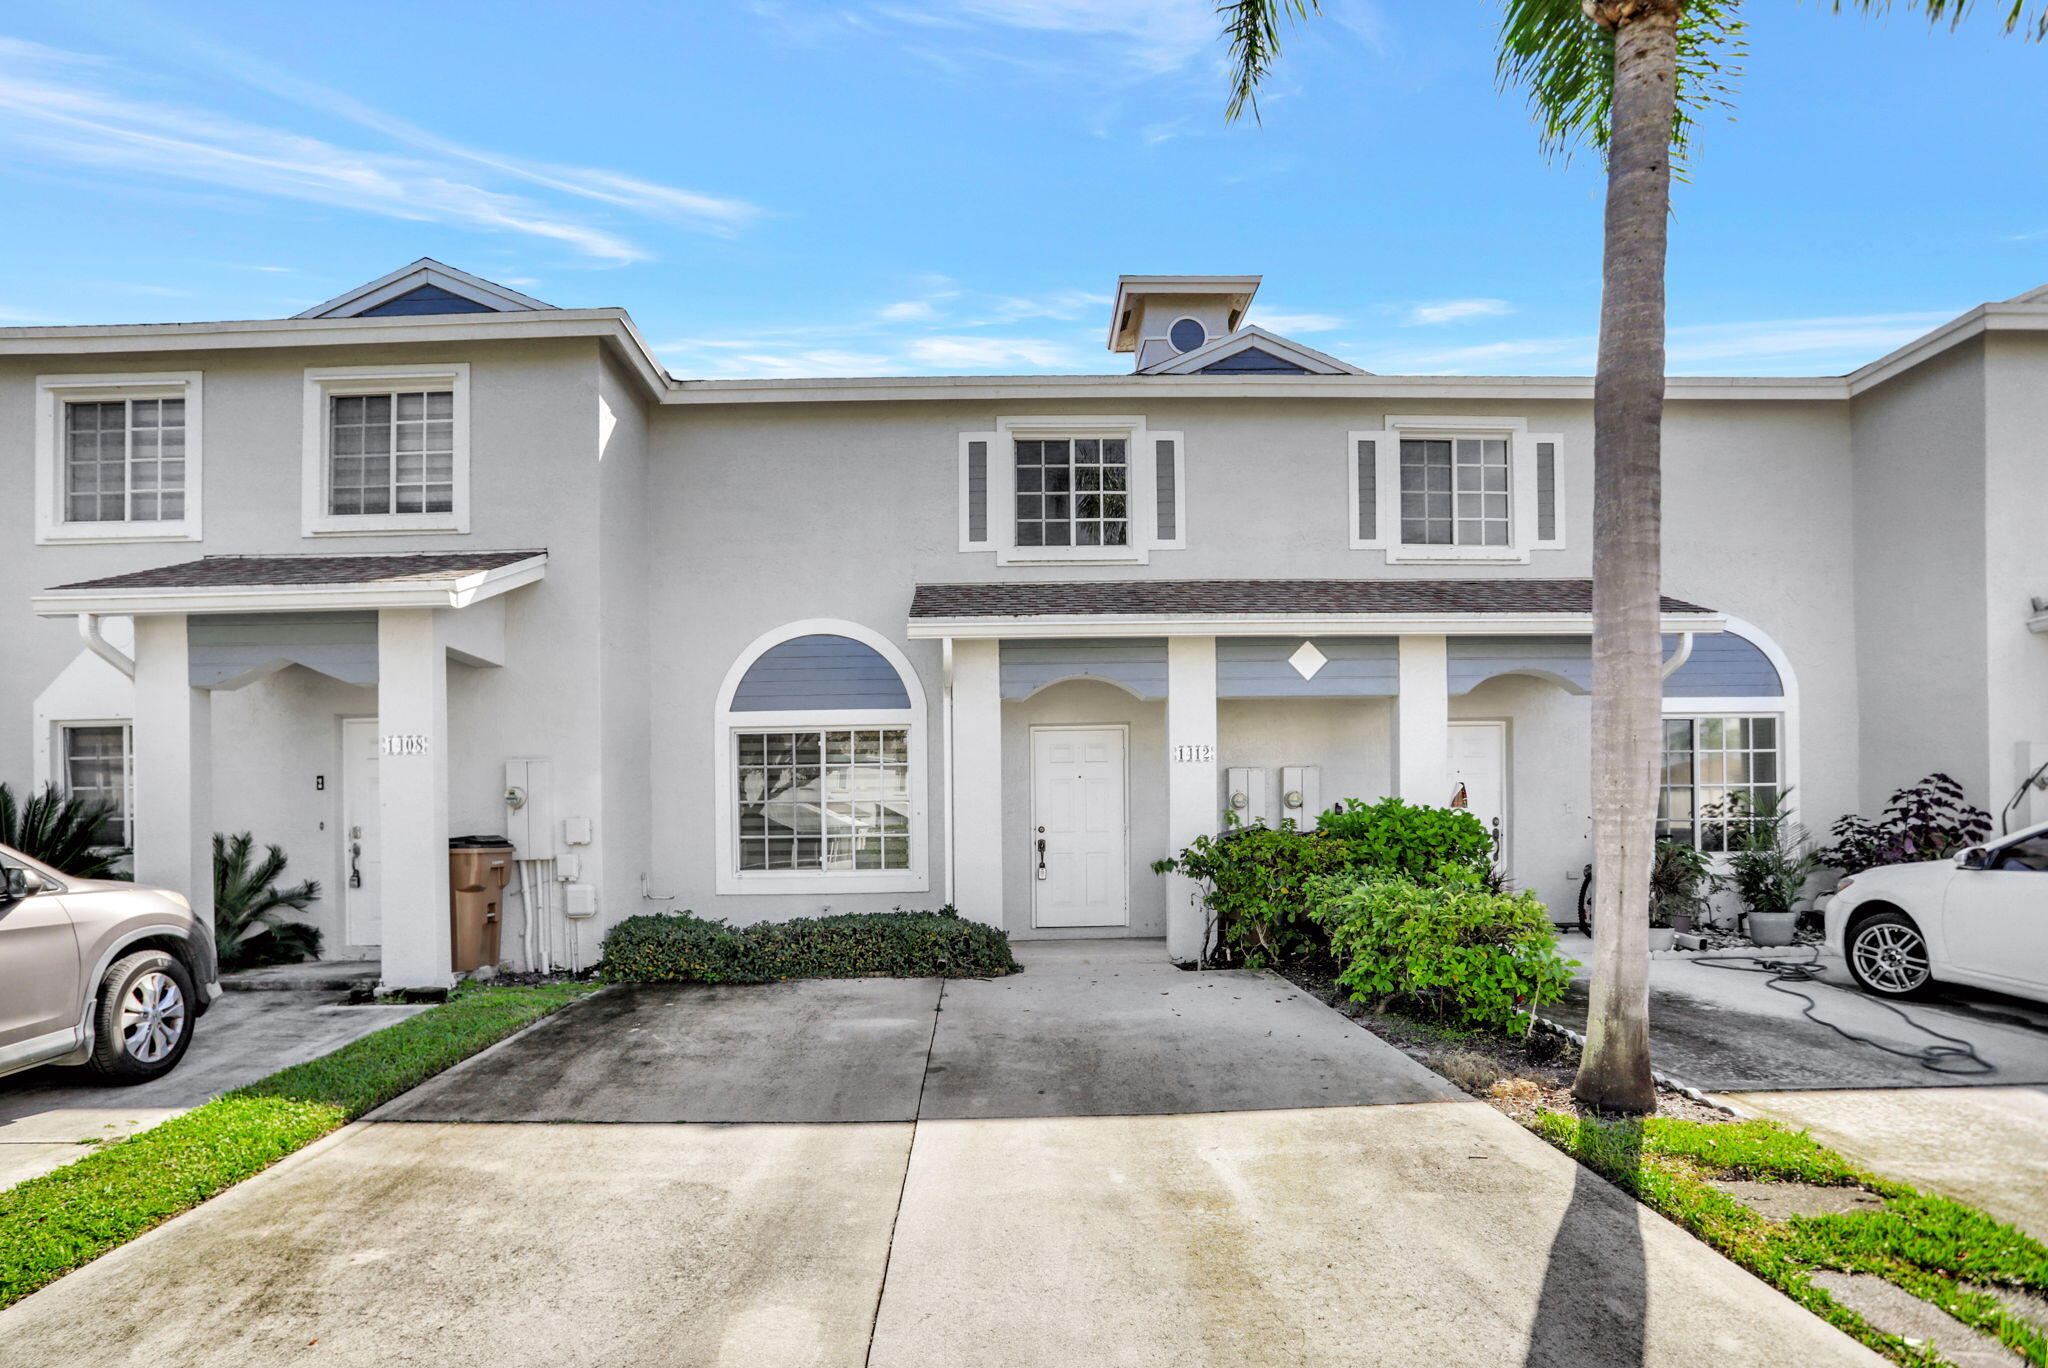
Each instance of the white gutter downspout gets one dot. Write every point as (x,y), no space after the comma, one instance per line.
(1679,656)
(946,761)
(89,629)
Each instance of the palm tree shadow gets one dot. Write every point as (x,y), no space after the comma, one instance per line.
(1593,1309)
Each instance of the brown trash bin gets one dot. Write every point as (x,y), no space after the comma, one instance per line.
(479,867)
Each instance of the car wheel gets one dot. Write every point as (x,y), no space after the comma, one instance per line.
(143,1022)
(1888,956)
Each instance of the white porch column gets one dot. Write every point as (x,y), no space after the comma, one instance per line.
(1422,723)
(975,837)
(173,765)
(412,796)
(1193,800)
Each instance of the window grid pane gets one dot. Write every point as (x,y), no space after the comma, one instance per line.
(1454,492)
(96,768)
(1715,769)
(1073,492)
(124,460)
(391,453)
(824,801)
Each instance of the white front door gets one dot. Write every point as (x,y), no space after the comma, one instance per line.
(1080,870)
(361,854)
(1479,765)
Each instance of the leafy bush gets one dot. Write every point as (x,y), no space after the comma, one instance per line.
(249,924)
(1771,860)
(1401,838)
(683,947)
(1257,880)
(1929,820)
(1257,877)
(67,834)
(1448,946)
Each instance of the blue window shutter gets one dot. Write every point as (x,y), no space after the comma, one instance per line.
(977,491)
(1166,482)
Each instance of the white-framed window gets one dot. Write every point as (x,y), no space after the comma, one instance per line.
(97,764)
(386,449)
(820,787)
(1717,767)
(118,457)
(830,800)
(1455,489)
(1071,491)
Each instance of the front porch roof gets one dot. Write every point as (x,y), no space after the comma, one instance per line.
(258,584)
(1436,607)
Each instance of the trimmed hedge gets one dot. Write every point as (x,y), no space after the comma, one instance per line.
(684,947)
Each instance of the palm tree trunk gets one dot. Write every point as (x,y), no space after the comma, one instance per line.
(1628,414)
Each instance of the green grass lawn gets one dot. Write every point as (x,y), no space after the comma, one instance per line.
(64,1219)
(1928,1245)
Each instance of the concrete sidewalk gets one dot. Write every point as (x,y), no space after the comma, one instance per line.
(1276,1187)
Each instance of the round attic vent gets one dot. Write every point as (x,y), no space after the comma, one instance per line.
(1187,334)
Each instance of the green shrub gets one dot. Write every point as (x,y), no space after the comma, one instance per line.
(1257,877)
(1401,838)
(1257,882)
(1450,946)
(683,947)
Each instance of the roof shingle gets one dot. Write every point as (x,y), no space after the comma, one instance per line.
(256,572)
(1201,598)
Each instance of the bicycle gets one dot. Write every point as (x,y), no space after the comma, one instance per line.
(1586,901)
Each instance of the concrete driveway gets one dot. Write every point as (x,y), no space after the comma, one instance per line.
(48,1116)
(1104,1160)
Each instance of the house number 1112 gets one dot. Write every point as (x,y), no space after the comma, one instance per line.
(1194,755)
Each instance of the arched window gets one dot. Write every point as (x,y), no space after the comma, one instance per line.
(820,739)
(1731,737)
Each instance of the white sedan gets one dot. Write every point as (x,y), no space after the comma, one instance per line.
(1980,918)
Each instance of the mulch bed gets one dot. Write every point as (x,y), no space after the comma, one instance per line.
(1519,1076)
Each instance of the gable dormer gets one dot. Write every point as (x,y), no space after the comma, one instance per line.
(1161,317)
(425,287)
(1194,325)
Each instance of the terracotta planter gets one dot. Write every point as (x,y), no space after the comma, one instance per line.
(1661,937)
(1773,928)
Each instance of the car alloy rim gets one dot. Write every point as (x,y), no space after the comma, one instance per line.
(152,1017)
(1892,957)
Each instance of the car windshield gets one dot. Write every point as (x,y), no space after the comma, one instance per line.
(2029,855)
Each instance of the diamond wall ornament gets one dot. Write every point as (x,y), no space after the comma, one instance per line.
(1306,660)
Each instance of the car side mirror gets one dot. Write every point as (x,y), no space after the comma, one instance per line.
(1972,858)
(17,883)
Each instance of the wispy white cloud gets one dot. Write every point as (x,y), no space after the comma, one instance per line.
(1451,310)
(909,311)
(1068,303)
(1282,322)
(992,353)
(68,108)
(1152,36)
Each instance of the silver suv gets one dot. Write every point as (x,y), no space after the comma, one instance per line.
(97,972)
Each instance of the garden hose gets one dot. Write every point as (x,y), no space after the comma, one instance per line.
(1956,1056)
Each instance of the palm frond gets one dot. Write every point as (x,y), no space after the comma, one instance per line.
(249,924)
(1565,63)
(65,832)
(1253,27)
(2028,18)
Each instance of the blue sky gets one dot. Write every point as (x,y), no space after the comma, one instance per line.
(879,187)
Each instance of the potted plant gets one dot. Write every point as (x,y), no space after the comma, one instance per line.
(1769,864)
(1680,879)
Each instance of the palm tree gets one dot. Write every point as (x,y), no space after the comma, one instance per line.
(71,834)
(1628,77)
(249,925)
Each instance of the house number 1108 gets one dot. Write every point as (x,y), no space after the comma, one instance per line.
(404,743)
